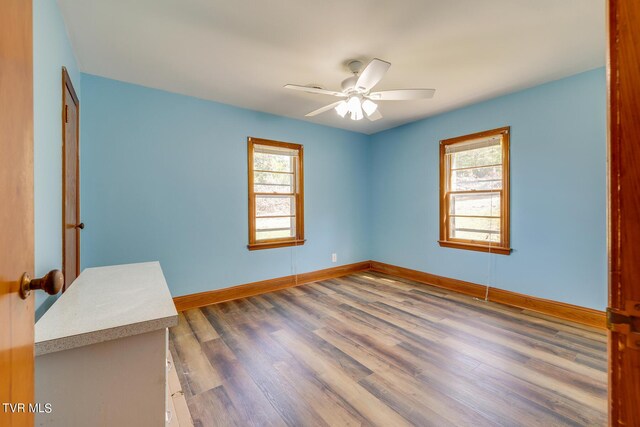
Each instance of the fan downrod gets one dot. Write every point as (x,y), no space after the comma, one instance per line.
(349,83)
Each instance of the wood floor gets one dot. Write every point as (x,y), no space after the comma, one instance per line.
(370,349)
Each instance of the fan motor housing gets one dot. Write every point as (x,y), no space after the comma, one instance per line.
(348,84)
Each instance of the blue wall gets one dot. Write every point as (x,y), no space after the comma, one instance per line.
(164,177)
(51,51)
(558,192)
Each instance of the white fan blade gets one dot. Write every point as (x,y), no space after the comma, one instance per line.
(323,109)
(315,90)
(372,74)
(402,94)
(374,116)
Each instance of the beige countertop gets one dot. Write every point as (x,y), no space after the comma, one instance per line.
(106,303)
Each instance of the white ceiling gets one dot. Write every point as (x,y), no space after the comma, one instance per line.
(241,52)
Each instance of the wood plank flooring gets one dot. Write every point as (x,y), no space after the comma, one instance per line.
(371,349)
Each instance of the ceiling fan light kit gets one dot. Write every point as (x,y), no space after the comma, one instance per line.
(369,106)
(355,107)
(357,91)
(342,108)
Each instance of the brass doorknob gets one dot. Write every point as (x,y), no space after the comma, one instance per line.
(51,283)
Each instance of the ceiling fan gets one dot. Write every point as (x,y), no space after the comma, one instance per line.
(356,89)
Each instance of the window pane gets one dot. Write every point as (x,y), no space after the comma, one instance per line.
(263,224)
(481,204)
(477,237)
(275,228)
(478,157)
(265,182)
(275,205)
(272,162)
(483,178)
(277,234)
(479,229)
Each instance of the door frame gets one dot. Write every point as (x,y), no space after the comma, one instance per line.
(68,85)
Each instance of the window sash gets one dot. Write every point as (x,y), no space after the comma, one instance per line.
(475,167)
(449,215)
(272,171)
(473,144)
(474,216)
(274,195)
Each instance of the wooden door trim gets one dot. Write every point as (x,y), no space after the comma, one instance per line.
(68,85)
(623,160)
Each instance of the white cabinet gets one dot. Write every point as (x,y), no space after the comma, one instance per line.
(111,370)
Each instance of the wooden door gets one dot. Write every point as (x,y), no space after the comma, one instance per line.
(16,209)
(71,226)
(624,212)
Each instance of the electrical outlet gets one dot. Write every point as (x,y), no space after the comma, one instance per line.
(334,257)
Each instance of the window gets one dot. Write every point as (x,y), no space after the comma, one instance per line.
(474,192)
(276,195)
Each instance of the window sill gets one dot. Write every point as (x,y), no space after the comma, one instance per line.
(271,245)
(475,247)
